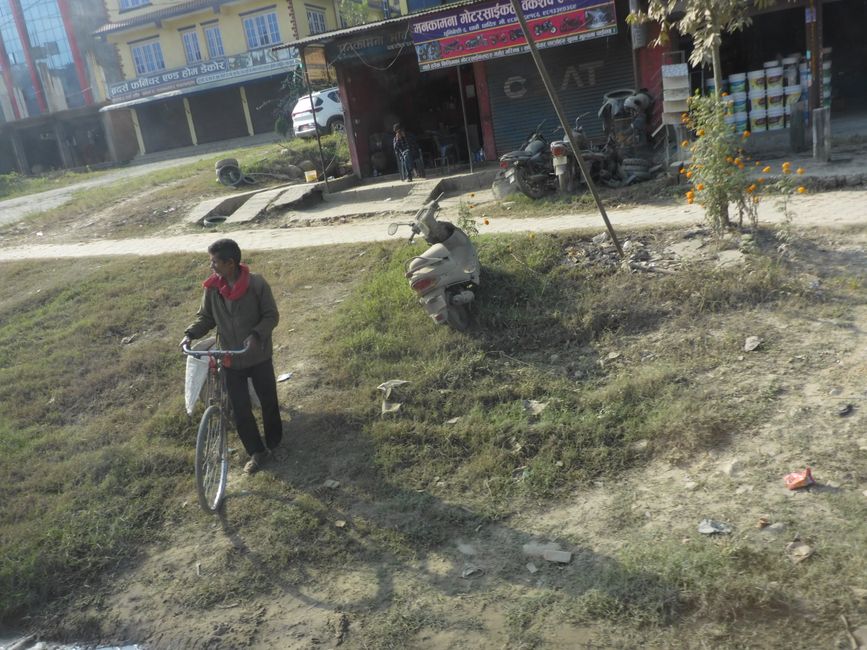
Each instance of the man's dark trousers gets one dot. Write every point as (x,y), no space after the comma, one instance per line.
(266,388)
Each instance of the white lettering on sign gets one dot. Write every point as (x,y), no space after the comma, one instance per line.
(509,88)
(580,73)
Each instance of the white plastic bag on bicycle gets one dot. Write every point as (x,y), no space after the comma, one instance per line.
(197,375)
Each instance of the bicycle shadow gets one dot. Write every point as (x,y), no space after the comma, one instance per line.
(449,547)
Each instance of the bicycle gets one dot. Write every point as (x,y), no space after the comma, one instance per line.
(212,444)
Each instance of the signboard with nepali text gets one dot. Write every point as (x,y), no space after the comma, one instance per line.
(243,66)
(491,30)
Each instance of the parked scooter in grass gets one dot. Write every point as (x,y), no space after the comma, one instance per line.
(445,275)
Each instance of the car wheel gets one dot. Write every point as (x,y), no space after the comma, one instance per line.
(336,125)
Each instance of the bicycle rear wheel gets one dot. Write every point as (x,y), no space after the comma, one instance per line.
(212,459)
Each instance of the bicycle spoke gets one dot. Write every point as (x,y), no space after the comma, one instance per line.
(211,458)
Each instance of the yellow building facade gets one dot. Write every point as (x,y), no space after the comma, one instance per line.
(199,71)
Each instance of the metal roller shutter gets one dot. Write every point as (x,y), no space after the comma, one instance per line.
(582,73)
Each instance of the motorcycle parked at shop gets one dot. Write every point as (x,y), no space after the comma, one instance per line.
(602,162)
(446,274)
(528,169)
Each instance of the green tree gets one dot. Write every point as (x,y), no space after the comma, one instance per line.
(352,12)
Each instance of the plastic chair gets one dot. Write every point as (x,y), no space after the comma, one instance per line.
(448,152)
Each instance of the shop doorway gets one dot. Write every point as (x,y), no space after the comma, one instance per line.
(426,104)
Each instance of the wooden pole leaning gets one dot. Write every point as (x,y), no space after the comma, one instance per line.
(561,115)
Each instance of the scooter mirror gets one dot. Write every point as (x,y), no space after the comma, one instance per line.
(392,228)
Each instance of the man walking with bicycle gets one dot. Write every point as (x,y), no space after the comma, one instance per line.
(242,308)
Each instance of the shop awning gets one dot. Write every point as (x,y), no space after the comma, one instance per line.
(190,90)
(348,32)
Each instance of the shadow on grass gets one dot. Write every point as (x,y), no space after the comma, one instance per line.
(393,531)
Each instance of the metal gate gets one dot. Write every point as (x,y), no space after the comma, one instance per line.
(582,73)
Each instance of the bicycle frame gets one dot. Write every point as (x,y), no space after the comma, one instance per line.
(212,461)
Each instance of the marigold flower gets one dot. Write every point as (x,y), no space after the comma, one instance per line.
(684,144)
(690,201)
(729,159)
(690,195)
(802,189)
(689,174)
(799,170)
(755,199)
(736,161)
(752,188)
(786,164)
(699,187)
(700,132)
(766,169)
(741,166)
(747,134)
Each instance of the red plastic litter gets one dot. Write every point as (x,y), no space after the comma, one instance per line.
(797,480)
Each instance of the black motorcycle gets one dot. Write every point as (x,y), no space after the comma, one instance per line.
(528,169)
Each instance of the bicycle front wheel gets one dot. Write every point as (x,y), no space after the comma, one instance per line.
(212,459)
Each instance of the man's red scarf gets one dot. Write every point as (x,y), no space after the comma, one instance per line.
(230,293)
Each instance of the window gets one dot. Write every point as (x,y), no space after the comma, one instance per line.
(148,57)
(191,46)
(261,30)
(214,41)
(316,20)
(132,4)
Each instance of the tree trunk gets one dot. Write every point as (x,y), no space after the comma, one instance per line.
(717,82)
(717,71)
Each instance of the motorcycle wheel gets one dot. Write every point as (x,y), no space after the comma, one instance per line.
(458,317)
(533,190)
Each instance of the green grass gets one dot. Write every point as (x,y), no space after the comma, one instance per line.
(97,452)
(162,191)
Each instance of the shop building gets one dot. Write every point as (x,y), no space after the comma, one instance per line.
(202,71)
(51,88)
(460,79)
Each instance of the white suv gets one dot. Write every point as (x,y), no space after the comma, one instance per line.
(326,108)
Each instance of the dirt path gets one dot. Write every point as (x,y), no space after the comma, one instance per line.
(828,209)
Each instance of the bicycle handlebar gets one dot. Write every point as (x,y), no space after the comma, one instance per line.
(217,354)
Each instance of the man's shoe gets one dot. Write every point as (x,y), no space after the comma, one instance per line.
(255,463)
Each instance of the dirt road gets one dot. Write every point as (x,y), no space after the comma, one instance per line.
(827,209)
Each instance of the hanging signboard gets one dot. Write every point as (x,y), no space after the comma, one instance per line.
(376,46)
(252,64)
(491,30)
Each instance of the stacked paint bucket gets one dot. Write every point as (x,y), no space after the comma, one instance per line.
(738,96)
(775,95)
(791,87)
(757,93)
(826,77)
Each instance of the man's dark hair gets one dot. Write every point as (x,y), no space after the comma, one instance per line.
(226,249)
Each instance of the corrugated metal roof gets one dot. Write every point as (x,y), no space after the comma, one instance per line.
(328,37)
(160,14)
